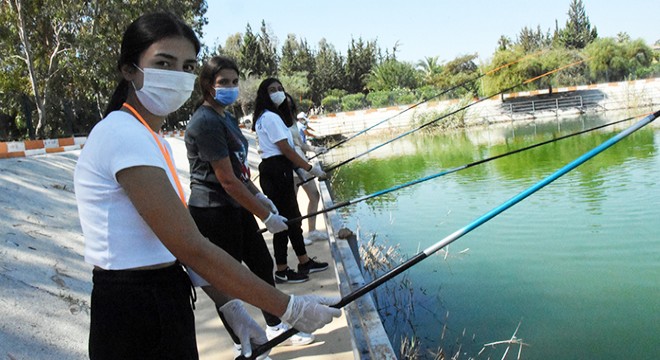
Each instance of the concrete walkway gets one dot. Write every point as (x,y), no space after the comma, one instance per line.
(45,283)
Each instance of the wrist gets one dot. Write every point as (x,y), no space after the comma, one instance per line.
(310,167)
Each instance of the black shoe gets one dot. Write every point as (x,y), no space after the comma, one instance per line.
(312,266)
(289,276)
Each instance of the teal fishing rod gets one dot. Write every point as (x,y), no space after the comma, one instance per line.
(466,229)
(448,171)
(427,100)
(440,118)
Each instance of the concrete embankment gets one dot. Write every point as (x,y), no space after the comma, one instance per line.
(611,97)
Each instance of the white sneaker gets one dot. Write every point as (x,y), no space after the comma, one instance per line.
(307,241)
(237,352)
(298,339)
(316,235)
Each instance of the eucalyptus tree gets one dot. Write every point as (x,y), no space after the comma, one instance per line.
(67,51)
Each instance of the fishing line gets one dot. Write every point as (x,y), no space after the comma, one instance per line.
(467,228)
(429,99)
(449,171)
(440,118)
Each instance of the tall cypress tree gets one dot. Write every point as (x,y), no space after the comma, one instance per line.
(578,32)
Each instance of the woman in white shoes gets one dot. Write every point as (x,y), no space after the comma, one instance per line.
(278,160)
(223,200)
(309,187)
(135,224)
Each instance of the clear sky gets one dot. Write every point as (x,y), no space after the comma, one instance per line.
(423,27)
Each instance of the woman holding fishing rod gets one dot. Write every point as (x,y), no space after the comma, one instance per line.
(223,200)
(278,160)
(301,147)
(135,224)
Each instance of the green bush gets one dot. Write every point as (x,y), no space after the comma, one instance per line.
(353,102)
(336,92)
(404,97)
(379,99)
(331,104)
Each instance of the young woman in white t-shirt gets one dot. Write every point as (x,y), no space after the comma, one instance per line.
(135,222)
(310,187)
(278,160)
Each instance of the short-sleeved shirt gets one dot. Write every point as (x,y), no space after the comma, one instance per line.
(271,129)
(210,137)
(116,235)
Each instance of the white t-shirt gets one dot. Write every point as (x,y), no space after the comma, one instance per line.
(116,236)
(271,129)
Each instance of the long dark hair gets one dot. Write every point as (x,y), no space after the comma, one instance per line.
(140,34)
(263,101)
(288,109)
(208,73)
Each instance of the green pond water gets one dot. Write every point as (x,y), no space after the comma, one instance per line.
(577,264)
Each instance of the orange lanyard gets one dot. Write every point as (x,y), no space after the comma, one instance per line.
(163,150)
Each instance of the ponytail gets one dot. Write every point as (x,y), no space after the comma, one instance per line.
(118,97)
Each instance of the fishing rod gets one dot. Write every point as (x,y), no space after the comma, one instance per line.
(442,117)
(466,229)
(449,171)
(427,100)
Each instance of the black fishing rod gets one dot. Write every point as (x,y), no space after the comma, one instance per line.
(427,100)
(449,171)
(440,118)
(466,229)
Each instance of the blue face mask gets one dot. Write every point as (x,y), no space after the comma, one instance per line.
(226,96)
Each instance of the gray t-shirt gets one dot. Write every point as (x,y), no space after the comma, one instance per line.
(211,137)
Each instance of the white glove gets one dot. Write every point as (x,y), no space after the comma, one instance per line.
(265,201)
(249,332)
(308,313)
(317,171)
(275,223)
(320,150)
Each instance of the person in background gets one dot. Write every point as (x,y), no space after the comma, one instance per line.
(303,126)
(309,187)
(223,199)
(278,159)
(135,224)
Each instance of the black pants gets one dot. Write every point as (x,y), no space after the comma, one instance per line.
(276,180)
(142,314)
(236,231)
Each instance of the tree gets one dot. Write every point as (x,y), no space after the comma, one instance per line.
(43,35)
(532,40)
(578,32)
(268,44)
(607,61)
(392,74)
(232,48)
(289,52)
(328,71)
(360,59)
(251,55)
(430,68)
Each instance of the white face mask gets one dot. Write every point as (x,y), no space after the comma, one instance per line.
(278,97)
(164,91)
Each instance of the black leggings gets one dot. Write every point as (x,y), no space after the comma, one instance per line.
(236,231)
(142,314)
(276,180)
